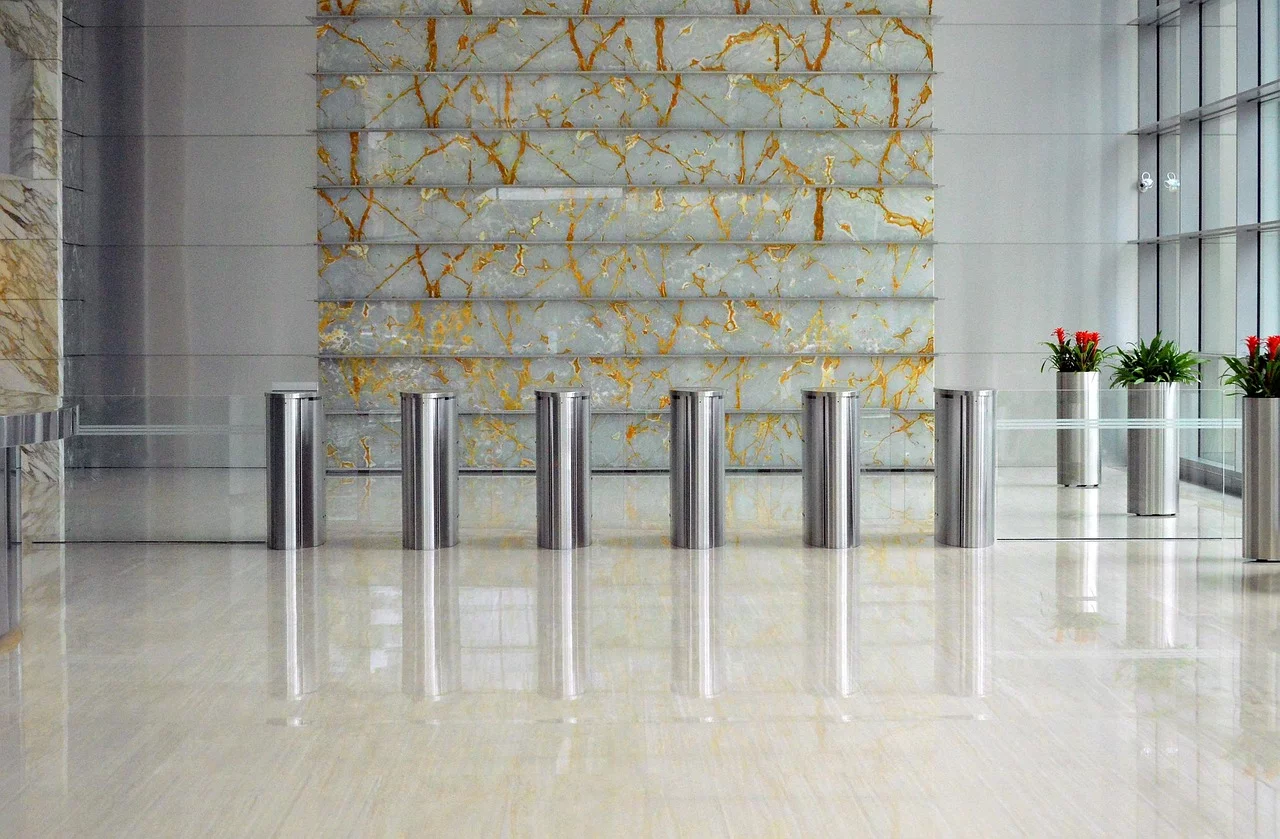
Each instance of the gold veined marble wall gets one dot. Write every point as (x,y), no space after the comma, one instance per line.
(31,296)
(628,195)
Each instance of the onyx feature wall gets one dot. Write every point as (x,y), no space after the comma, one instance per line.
(519,194)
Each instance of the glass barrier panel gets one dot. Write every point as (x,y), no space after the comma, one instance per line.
(1031,505)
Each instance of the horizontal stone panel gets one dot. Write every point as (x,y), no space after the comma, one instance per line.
(737,44)
(619,157)
(29,208)
(638,101)
(616,7)
(633,214)
(374,272)
(600,327)
(635,441)
(32,28)
(626,384)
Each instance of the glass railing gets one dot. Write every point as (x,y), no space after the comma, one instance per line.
(190,468)
(1031,505)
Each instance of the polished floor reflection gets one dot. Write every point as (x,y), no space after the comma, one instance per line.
(763,689)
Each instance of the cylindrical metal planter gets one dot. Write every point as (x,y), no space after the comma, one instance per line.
(831,467)
(563,467)
(697,468)
(1262,479)
(429,470)
(1153,449)
(965,471)
(295,470)
(1079,452)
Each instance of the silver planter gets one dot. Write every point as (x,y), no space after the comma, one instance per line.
(1262,479)
(1079,452)
(1153,451)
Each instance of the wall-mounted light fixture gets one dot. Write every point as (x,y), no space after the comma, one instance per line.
(1146,182)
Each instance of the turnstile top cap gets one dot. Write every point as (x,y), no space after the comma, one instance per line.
(429,394)
(960,393)
(816,392)
(295,394)
(564,392)
(706,392)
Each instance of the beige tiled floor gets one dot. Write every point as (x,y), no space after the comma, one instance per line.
(1037,688)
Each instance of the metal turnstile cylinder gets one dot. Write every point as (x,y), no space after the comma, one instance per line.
(295,470)
(564,467)
(697,468)
(831,468)
(429,470)
(965,470)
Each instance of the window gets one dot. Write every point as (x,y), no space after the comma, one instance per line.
(1212,218)
(1168,89)
(1218,172)
(1269,156)
(1217,50)
(1269,25)
(1169,204)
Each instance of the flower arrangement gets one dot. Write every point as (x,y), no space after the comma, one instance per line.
(1081,353)
(1256,375)
(1155,361)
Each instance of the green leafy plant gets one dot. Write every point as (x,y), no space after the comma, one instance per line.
(1082,353)
(1256,375)
(1155,361)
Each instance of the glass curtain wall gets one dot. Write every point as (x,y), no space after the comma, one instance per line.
(1209,137)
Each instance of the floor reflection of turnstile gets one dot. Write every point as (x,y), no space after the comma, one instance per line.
(431,645)
(563,615)
(697,649)
(831,623)
(297,633)
(964,601)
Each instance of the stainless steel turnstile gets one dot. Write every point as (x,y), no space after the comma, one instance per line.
(831,468)
(965,470)
(429,470)
(295,470)
(697,468)
(564,467)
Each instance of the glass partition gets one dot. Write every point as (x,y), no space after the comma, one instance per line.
(191,468)
(183,468)
(1031,505)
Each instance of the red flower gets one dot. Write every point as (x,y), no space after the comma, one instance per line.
(1252,343)
(1273,346)
(1062,336)
(1083,339)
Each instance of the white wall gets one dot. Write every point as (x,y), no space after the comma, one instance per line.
(1037,178)
(199,266)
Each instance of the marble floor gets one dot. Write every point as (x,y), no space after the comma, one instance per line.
(1110,686)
